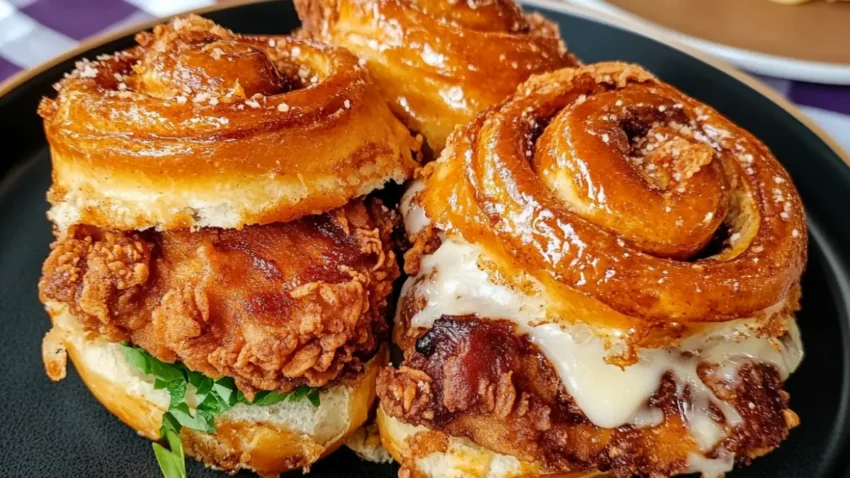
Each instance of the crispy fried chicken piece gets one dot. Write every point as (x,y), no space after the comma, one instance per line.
(481,380)
(273,306)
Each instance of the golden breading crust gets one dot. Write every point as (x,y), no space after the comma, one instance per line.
(272,306)
(480,380)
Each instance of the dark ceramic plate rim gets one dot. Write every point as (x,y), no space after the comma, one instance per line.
(833,259)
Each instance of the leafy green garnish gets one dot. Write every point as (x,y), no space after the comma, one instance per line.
(213,397)
(313,397)
(137,357)
(269,398)
(171,461)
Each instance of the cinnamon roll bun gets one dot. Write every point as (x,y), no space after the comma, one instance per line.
(199,127)
(221,270)
(603,278)
(439,62)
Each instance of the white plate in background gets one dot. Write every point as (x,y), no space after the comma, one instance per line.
(754,61)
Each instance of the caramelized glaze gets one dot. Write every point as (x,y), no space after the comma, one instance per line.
(440,62)
(199,126)
(614,189)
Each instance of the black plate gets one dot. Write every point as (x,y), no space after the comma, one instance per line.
(59,430)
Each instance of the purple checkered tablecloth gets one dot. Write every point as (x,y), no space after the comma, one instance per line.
(33,31)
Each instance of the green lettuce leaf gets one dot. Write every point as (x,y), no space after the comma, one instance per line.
(213,397)
(171,460)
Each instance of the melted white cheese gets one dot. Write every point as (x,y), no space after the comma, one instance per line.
(611,396)
(711,467)
(452,283)
(414,215)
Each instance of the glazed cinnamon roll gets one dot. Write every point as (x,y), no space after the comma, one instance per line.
(604,276)
(221,270)
(439,62)
(198,127)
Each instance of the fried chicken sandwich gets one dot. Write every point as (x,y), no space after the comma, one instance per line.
(221,269)
(604,275)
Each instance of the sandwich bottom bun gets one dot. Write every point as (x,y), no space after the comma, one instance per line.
(425,453)
(366,443)
(268,440)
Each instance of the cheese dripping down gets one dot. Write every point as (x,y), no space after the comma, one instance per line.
(451,283)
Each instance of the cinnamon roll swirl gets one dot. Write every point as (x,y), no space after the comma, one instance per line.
(604,276)
(221,272)
(201,127)
(440,62)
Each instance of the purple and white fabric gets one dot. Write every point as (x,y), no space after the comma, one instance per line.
(34,31)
